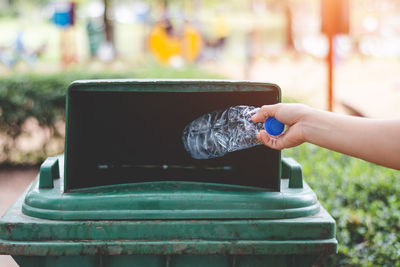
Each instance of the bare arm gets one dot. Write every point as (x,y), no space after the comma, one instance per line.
(374,140)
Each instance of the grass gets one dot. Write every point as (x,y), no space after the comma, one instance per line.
(363,198)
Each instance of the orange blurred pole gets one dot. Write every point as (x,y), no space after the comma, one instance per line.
(330,32)
(335,20)
(330,60)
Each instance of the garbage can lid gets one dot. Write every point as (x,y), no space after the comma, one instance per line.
(113,133)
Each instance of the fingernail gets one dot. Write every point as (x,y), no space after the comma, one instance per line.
(253,117)
(258,136)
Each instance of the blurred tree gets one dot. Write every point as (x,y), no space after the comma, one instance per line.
(8,8)
(108,25)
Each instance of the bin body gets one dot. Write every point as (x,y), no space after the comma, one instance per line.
(161,261)
(279,242)
(113,201)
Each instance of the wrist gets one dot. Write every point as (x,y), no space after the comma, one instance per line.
(306,122)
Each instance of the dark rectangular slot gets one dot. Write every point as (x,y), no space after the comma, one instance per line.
(120,129)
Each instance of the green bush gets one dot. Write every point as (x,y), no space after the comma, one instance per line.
(363,198)
(42,97)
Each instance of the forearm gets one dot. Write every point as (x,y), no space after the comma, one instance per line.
(373,140)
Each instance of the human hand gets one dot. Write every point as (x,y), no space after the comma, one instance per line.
(292,115)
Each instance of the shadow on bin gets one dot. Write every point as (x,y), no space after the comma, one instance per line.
(126,193)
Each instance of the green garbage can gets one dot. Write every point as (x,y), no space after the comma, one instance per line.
(126,193)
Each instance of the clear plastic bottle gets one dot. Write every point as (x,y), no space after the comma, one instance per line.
(220,132)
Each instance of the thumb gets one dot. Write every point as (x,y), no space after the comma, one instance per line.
(265,111)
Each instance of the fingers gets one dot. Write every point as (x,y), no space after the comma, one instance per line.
(264,112)
(274,143)
(263,137)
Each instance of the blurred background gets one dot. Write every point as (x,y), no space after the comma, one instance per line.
(339,55)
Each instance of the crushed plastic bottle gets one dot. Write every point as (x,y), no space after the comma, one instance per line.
(220,132)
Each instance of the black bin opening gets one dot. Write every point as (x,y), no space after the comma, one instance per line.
(130,136)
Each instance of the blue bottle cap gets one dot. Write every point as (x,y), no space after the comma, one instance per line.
(273,126)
